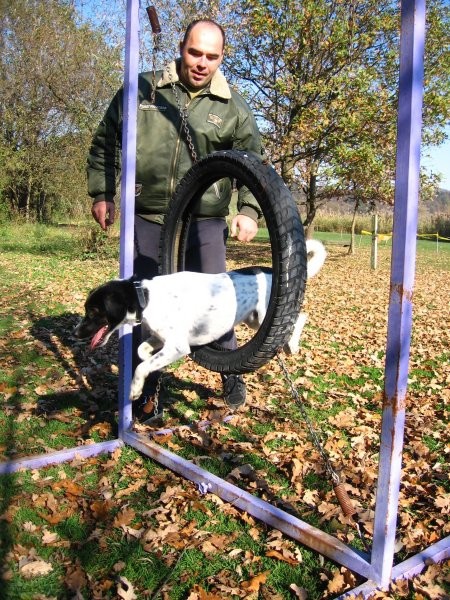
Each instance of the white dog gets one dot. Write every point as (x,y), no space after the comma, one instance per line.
(184,310)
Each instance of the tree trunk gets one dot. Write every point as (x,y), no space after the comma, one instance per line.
(311,204)
(351,249)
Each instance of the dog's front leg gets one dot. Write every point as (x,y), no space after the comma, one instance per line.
(147,348)
(167,355)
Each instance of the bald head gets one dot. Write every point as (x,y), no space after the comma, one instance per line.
(201,53)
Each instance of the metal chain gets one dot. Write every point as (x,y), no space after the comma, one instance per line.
(337,483)
(156,395)
(155,49)
(184,116)
(312,432)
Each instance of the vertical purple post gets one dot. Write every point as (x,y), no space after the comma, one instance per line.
(401,285)
(127,199)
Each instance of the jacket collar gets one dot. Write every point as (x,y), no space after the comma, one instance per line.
(217,87)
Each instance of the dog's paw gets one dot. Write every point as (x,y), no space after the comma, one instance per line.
(136,389)
(145,350)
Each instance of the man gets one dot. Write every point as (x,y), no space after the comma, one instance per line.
(216,118)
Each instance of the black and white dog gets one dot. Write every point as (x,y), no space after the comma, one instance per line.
(184,310)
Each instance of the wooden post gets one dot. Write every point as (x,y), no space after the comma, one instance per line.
(374,253)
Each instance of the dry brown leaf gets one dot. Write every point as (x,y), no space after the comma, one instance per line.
(35,568)
(75,578)
(125,590)
(134,487)
(103,429)
(124,517)
(300,593)
(282,556)
(101,509)
(49,537)
(70,487)
(253,584)
(337,584)
(198,593)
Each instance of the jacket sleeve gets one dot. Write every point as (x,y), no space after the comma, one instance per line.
(104,158)
(248,138)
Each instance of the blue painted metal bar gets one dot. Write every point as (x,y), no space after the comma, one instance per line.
(401,285)
(126,254)
(274,517)
(379,571)
(127,200)
(405,570)
(59,456)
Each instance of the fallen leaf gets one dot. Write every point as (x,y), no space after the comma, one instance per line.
(281,556)
(75,579)
(253,584)
(300,593)
(35,568)
(49,537)
(125,590)
(124,517)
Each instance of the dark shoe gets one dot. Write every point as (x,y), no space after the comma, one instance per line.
(234,390)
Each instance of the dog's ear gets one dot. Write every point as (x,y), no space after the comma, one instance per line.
(115,307)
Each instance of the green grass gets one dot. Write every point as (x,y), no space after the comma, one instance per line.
(48,271)
(423,245)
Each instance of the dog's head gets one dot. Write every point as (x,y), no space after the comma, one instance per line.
(106,308)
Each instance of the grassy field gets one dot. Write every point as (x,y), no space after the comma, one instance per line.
(121,526)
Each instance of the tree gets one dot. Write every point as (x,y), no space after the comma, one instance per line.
(323,76)
(56,77)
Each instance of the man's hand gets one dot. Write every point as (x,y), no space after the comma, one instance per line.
(104,212)
(243,228)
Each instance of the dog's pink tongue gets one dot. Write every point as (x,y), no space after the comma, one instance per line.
(98,337)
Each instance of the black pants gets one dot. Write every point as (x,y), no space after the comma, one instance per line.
(205,253)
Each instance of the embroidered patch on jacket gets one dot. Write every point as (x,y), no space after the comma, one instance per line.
(138,189)
(215,120)
(146,105)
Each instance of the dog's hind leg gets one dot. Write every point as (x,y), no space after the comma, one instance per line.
(292,346)
(166,356)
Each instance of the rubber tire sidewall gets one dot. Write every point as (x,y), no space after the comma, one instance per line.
(289,257)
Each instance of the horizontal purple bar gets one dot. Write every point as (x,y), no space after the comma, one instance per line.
(405,570)
(292,526)
(59,456)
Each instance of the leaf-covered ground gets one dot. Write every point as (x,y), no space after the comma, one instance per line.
(121,526)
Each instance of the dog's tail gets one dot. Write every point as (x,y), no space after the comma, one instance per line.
(316,256)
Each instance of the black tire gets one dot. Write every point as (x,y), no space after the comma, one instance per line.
(289,259)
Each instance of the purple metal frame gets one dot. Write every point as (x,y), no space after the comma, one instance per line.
(377,568)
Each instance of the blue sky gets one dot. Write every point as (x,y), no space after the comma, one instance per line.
(439,162)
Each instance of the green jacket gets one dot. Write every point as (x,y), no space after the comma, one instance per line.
(219,119)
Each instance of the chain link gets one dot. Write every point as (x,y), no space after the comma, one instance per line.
(153,92)
(156,395)
(312,432)
(156,49)
(319,447)
(184,116)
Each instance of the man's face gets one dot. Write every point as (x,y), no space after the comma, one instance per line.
(201,55)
